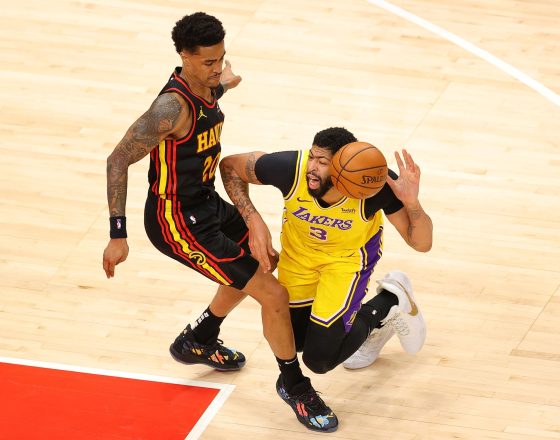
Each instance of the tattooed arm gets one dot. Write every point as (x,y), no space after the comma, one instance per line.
(162,119)
(167,117)
(237,172)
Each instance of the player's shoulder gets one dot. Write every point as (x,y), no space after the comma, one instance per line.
(277,169)
(170,104)
(281,157)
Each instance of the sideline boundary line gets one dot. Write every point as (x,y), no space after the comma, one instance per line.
(470,47)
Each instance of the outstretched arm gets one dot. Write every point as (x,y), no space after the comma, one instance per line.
(162,119)
(412,222)
(228,79)
(237,172)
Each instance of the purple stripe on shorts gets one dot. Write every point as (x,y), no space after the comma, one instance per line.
(372,248)
(360,282)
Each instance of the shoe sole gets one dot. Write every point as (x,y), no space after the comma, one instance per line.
(180,358)
(311,428)
(384,341)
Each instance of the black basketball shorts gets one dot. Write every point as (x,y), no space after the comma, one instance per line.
(209,237)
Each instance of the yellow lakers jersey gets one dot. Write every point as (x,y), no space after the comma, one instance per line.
(340,231)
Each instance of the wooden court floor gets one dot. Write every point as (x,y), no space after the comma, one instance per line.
(75,74)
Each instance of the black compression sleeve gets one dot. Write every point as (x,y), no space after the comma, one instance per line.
(384,199)
(277,169)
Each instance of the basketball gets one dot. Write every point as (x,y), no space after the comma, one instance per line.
(358,170)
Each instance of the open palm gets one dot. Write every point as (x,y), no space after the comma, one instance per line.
(407,186)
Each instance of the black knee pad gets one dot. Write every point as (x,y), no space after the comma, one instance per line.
(316,364)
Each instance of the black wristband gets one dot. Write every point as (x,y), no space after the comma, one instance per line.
(118,227)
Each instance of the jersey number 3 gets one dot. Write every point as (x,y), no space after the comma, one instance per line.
(319,233)
(210,165)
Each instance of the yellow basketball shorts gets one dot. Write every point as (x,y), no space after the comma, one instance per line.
(333,287)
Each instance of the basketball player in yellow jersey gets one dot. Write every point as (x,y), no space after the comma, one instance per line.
(330,245)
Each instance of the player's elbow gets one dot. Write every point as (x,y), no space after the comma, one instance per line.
(117,163)
(421,245)
(226,164)
(424,247)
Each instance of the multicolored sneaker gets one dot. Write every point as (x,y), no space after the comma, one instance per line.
(187,351)
(310,409)
(368,353)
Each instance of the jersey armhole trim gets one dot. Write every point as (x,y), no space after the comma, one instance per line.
(297,176)
(363,210)
(193,117)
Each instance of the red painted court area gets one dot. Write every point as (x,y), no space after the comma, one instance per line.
(44,403)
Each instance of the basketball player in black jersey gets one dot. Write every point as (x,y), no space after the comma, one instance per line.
(188,221)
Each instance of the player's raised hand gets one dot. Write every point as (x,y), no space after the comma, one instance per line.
(228,79)
(407,186)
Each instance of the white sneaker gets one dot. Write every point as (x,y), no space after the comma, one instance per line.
(369,351)
(405,318)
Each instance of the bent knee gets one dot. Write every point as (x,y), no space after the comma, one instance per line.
(276,299)
(281,294)
(317,365)
(267,291)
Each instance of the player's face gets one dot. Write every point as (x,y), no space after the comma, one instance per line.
(205,64)
(318,176)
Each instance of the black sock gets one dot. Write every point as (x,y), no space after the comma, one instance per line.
(377,308)
(207,327)
(291,373)
(368,317)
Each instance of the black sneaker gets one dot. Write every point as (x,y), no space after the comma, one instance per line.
(310,409)
(187,351)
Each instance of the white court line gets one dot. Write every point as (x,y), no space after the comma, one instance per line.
(507,68)
(198,428)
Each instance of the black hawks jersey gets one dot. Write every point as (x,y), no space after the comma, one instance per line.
(183,169)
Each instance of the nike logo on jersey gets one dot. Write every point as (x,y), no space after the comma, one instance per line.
(299,199)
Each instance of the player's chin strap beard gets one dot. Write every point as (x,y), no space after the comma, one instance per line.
(322,190)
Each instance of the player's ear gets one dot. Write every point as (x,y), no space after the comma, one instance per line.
(185,56)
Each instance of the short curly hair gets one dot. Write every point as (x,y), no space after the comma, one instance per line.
(198,29)
(333,139)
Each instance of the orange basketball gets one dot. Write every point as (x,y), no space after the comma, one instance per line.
(358,170)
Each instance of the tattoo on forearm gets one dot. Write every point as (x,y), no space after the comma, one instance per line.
(419,228)
(250,168)
(238,192)
(413,214)
(410,231)
(139,140)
